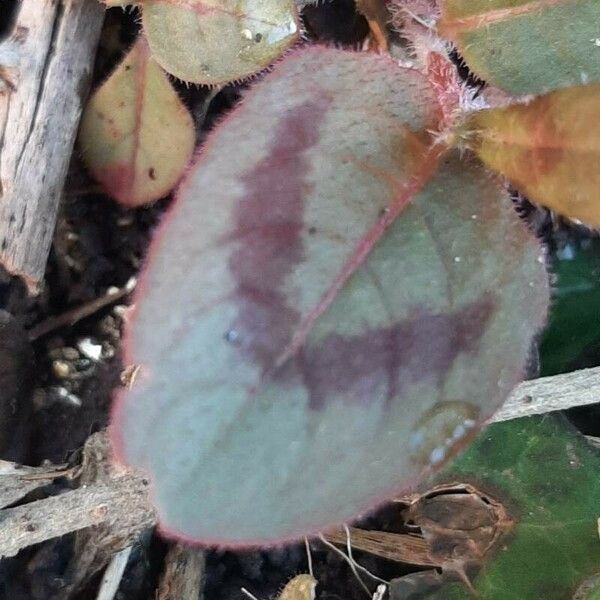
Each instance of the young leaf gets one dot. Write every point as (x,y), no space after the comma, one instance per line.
(136,136)
(301,587)
(549,149)
(217,41)
(526,46)
(304,355)
(545,476)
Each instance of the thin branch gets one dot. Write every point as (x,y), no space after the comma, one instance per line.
(45,65)
(123,504)
(183,576)
(548,394)
(70,317)
(118,500)
(309,557)
(113,575)
(399,547)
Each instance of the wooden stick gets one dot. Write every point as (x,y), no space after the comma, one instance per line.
(123,504)
(69,318)
(113,575)
(112,500)
(45,71)
(399,547)
(16,481)
(547,394)
(118,501)
(183,576)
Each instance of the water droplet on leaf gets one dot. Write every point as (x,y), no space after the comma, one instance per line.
(439,429)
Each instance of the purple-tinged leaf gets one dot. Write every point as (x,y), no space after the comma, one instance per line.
(304,353)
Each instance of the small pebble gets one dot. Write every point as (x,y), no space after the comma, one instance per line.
(88,348)
(61,369)
(69,353)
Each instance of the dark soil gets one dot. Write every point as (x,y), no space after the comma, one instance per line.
(65,377)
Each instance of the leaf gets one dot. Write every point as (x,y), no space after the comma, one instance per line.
(136,136)
(572,338)
(298,364)
(301,587)
(546,476)
(549,149)
(217,41)
(526,46)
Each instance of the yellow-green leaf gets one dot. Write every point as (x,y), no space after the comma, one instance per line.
(217,41)
(301,587)
(136,135)
(549,149)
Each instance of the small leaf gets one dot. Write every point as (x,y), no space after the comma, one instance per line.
(218,41)
(304,354)
(301,587)
(526,46)
(136,136)
(549,149)
(545,476)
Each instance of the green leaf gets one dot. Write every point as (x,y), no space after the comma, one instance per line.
(305,352)
(136,136)
(573,328)
(526,46)
(545,475)
(217,41)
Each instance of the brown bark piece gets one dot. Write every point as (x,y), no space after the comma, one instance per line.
(120,507)
(400,547)
(109,511)
(16,481)
(116,508)
(45,70)
(547,394)
(183,577)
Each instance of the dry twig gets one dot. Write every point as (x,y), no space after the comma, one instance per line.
(45,70)
(111,509)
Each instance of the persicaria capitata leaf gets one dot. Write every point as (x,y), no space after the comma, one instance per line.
(217,41)
(136,136)
(526,46)
(304,351)
(548,148)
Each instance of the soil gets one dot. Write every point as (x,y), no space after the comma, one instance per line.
(66,376)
